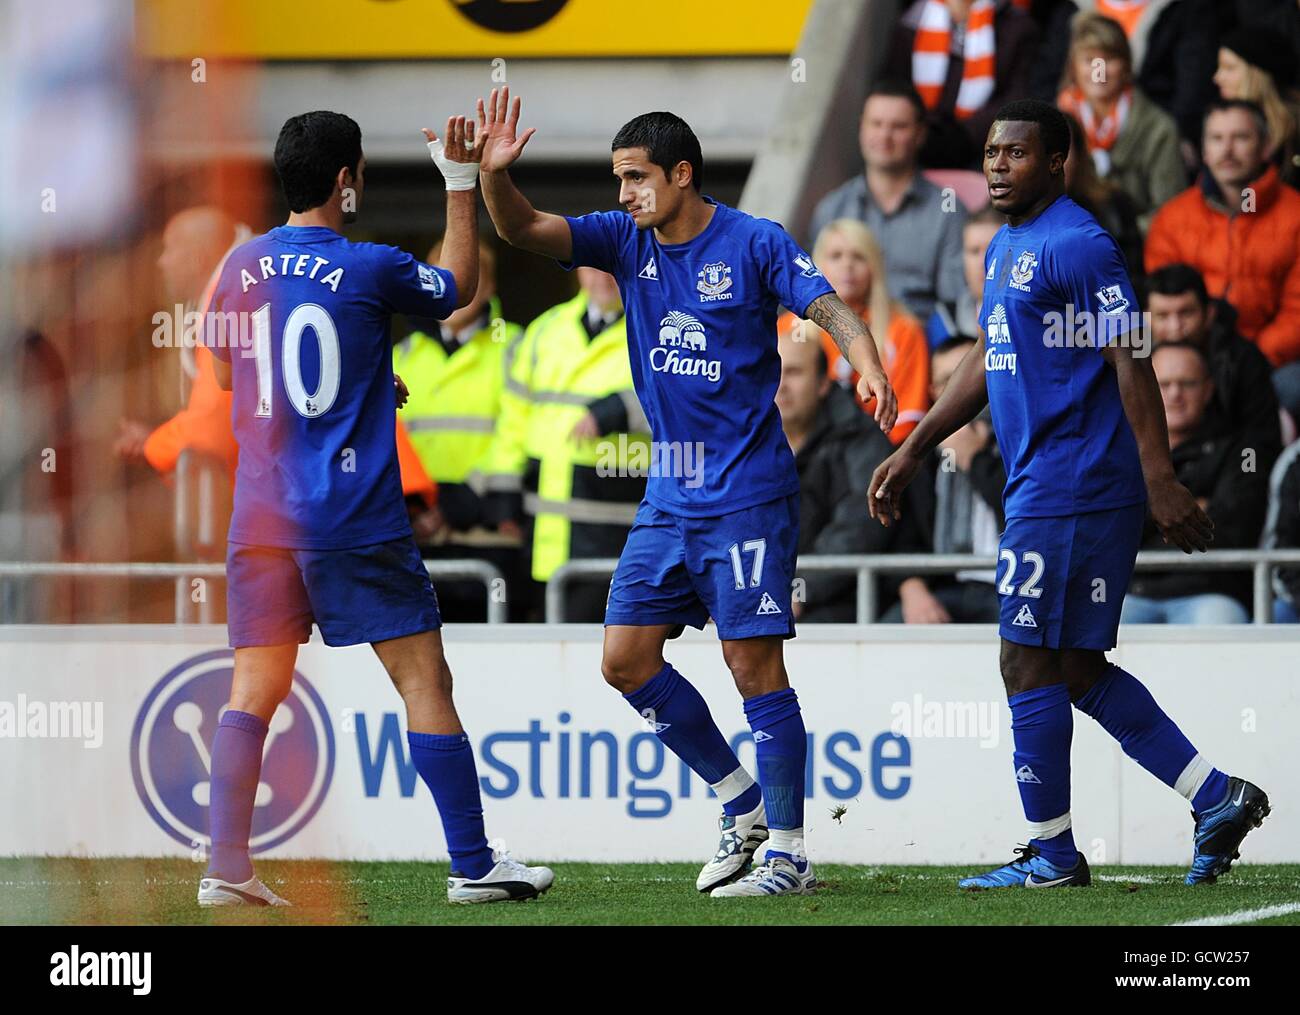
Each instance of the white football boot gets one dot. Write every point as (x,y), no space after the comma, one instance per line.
(774,876)
(742,834)
(508,881)
(214,891)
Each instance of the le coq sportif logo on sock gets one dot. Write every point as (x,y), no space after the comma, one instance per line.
(171,754)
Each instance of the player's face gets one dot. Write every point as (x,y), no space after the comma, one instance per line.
(975,240)
(645,190)
(1185,387)
(1017,167)
(846,268)
(1178,317)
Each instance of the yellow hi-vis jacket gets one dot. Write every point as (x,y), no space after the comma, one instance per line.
(581,496)
(455,401)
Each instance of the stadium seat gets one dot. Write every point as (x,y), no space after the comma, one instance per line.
(969,185)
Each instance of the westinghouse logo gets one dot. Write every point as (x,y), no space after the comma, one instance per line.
(171,754)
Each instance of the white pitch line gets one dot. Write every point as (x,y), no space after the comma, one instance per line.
(1243,916)
(1137,879)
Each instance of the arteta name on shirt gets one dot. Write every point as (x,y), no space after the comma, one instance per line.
(294,265)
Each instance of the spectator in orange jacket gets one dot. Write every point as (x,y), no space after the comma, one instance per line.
(195,244)
(1239,226)
(850,258)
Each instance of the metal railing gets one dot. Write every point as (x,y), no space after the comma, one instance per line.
(490,575)
(869,566)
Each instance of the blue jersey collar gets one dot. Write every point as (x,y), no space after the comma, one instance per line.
(720,210)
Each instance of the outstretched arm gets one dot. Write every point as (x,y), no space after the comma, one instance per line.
(516,220)
(1174,510)
(964,396)
(854,340)
(457,155)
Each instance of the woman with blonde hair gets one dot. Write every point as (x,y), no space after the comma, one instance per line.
(851,259)
(1134,143)
(1257,69)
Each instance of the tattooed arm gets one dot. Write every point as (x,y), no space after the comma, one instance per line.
(858,347)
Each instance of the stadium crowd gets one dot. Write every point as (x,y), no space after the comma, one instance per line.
(526,445)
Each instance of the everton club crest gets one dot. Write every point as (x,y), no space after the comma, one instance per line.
(714,281)
(1023,270)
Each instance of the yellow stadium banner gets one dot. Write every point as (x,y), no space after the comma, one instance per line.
(414,29)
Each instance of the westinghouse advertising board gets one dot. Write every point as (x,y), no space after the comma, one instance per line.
(104,748)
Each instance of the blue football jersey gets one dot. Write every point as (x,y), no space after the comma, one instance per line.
(314,404)
(701,329)
(1056,289)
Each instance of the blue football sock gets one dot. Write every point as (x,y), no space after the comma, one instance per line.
(781,745)
(681,720)
(446,764)
(236,768)
(1127,711)
(1042,726)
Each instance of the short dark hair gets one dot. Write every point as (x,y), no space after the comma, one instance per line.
(310,151)
(668,140)
(1176,279)
(953,342)
(1052,125)
(897,88)
(1255,110)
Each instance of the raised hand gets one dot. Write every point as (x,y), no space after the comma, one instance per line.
(460,143)
(457,153)
(498,125)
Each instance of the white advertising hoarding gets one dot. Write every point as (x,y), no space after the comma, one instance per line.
(105,733)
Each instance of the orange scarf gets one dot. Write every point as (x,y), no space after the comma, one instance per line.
(1127,12)
(1102,134)
(933,47)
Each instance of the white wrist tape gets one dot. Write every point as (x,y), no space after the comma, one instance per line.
(459,175)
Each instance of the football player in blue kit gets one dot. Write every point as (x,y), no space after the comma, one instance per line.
(716,534)
(1066,373)
(320,531)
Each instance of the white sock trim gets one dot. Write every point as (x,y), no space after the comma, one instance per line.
(787,840)
(1049,829)
(1193,777)
(733,785)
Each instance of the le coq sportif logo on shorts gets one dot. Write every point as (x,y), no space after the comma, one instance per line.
(171,754)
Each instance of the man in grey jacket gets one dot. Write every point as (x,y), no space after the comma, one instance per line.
(917,225)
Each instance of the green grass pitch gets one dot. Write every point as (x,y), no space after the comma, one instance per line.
(161,892)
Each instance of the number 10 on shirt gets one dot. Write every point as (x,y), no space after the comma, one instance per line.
(305,315)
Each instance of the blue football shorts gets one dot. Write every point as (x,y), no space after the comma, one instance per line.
(1061,581)
(364,594)
(736,568)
